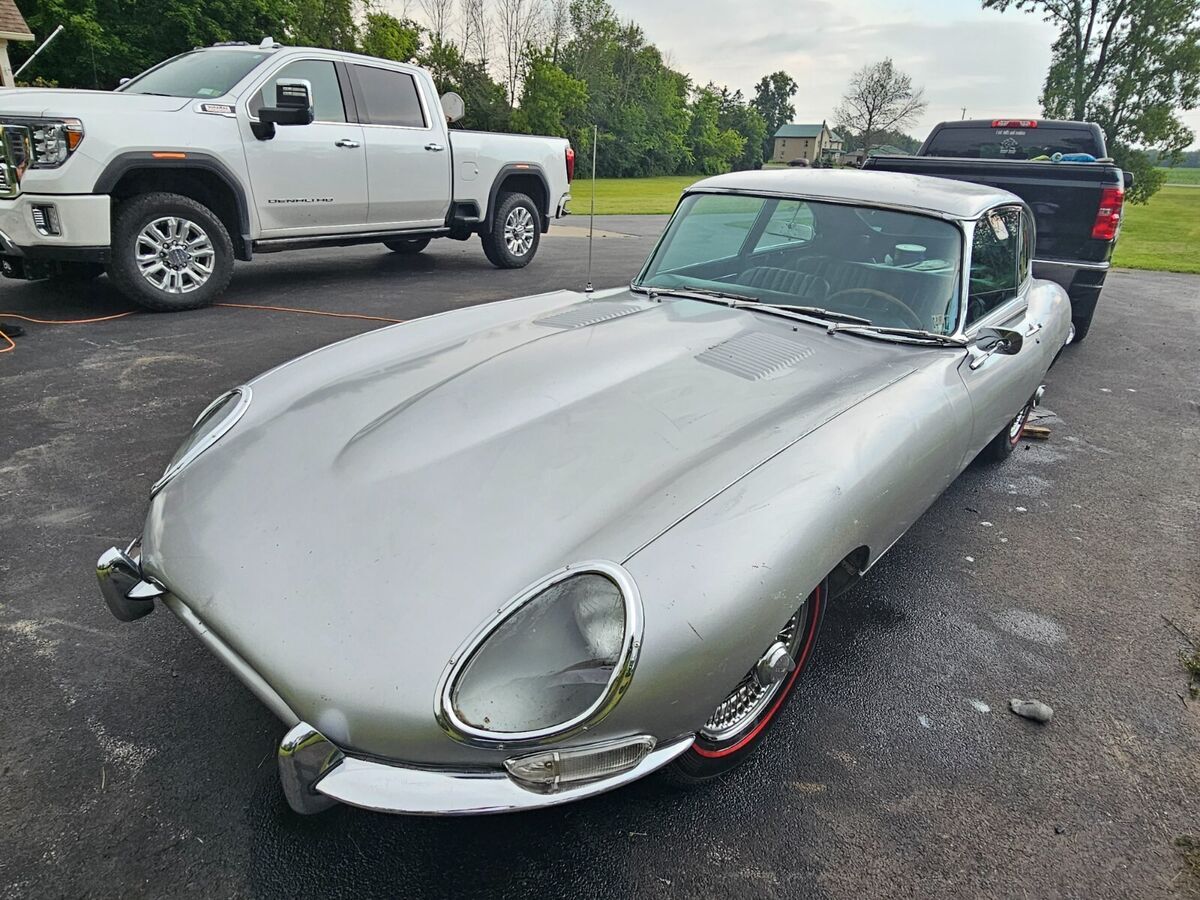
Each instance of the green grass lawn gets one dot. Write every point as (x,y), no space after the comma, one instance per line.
(1181,176)
(1163,234)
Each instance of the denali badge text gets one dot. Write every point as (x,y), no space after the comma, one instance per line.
(303,200)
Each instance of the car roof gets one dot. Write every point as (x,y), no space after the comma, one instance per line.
(919,193)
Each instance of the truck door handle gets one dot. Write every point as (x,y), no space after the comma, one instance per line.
(436,148)
(346,142)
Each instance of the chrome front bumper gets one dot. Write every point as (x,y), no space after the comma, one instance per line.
(316,773)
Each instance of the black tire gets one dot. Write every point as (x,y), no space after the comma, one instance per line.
(1083,324)
(136,215)
(407,246)
(528,224)
(710,758)
(1006,441)
(77,272)
(1083,308)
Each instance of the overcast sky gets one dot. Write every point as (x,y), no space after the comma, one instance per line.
(989,62)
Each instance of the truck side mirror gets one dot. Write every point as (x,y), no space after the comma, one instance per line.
(453,106)
(293,104)
(1128,179)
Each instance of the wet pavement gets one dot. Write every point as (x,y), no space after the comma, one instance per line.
(133,764)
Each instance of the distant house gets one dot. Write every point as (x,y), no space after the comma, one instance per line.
(12,28)
(800,141)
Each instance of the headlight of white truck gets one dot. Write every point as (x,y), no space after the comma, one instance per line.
(553,660)
(54,141)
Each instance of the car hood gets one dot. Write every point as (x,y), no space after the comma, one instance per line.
(383,496)
(81,104)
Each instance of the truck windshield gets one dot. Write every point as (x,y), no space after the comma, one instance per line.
(201,73)
(882,267)
(982,142)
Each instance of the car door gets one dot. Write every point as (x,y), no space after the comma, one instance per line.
(408,154)
(308,179)
(999,384)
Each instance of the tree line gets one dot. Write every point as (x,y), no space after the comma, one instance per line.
(554,67)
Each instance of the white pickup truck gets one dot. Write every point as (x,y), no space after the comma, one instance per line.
(232,150)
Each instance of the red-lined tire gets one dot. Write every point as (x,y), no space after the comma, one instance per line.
(1006,441)
(729,737)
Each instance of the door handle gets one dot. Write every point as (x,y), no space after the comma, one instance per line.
(434,147)
(346,142)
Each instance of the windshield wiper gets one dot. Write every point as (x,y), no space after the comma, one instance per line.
(946,340)
(821,313)
(705,292)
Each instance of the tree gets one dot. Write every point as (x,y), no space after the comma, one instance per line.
(486,104)
(438,14)
(558,27)
(880,98)
(387,37)
(736,115)
(773,99)
(1126,65)
(713,148)
(516,22)
(552,102)
(852,140)
(476,31)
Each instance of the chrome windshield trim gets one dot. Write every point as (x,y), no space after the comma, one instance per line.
(244,396)
(618,683)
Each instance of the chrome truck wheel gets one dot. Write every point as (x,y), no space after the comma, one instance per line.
(169,252)
(516,229)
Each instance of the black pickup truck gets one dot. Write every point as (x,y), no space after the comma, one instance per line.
(1076,204)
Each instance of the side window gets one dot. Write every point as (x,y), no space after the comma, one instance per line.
(1028,236)
(791,222)
(388,97)
(994,254)
(327,94)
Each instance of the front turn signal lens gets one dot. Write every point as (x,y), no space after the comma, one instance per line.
(554,769)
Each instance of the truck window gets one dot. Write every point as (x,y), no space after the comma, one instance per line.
(994,253)
(983,142)
(321,74)
(389,97)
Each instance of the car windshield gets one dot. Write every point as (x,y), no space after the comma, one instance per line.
(201,73)
(888,268)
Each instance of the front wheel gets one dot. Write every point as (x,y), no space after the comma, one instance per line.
(169,252)
(512,241)
(738,723)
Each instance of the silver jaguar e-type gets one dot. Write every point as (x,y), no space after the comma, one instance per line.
(518,554)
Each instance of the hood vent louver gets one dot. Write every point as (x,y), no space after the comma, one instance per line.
(756,356)
(583,314)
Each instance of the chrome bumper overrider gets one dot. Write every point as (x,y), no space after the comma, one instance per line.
(315,774)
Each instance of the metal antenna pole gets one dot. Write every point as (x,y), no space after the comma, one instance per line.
(53,35)
(592,214)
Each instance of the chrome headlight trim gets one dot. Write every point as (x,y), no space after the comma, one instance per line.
(618,683)
(244,396)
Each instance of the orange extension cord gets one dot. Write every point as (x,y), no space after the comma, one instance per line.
(11,344)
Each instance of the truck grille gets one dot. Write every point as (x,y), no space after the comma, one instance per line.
(16,149)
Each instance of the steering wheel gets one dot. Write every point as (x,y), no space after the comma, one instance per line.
(914,320)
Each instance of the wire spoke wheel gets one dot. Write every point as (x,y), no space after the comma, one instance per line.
(518,231)
(175,255)
(751,697)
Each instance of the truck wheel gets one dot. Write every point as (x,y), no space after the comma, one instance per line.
(516,231)
(169,253)
(1082,325)
(407,247)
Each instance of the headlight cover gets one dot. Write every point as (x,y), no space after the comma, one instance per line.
(553,660)
(54,141)
(218,417)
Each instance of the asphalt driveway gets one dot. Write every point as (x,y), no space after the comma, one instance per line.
(133,764)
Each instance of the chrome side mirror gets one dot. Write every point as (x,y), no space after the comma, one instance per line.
(990,341)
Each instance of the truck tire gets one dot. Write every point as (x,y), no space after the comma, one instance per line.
(169,253)
(1082,323)
(407,246)
(1083,308)
(512,241)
